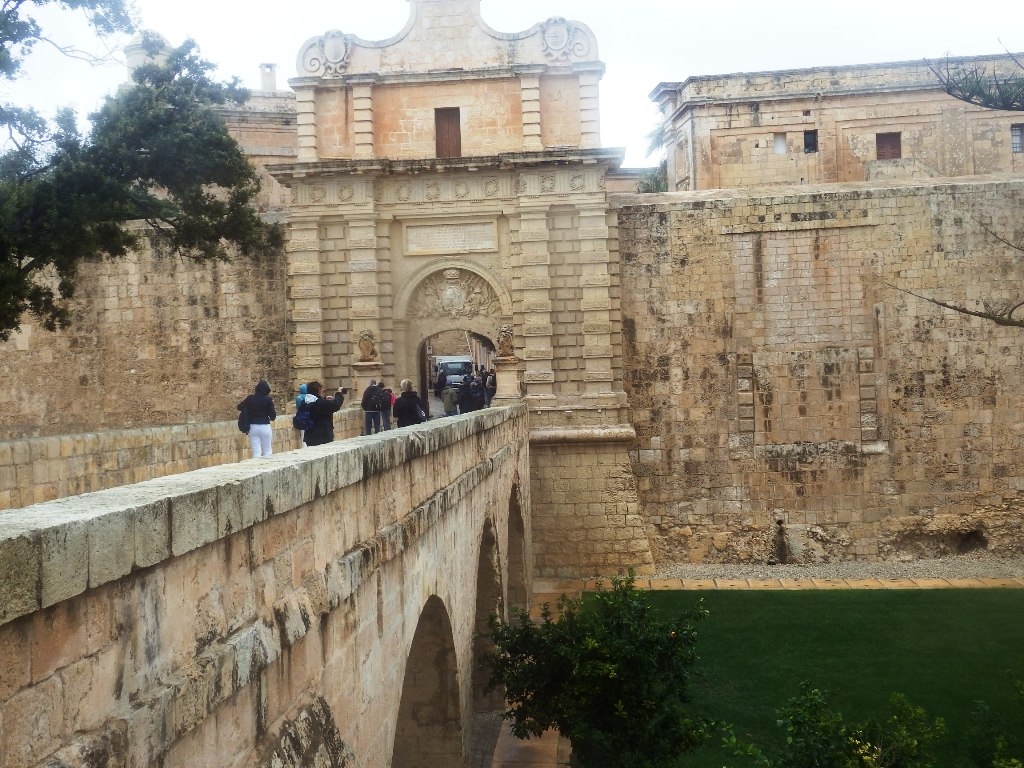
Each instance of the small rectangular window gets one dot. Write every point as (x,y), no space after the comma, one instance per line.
(888,146)
(448,132)
(1017,138)
(810,142)
(780,143)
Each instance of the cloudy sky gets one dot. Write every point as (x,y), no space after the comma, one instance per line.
(641,42)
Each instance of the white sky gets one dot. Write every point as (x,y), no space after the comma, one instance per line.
(641,42)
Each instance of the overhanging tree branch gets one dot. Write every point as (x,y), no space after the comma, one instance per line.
(1003,316)
(981,85)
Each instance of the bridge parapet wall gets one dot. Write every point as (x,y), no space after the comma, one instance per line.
(189,619)
(38,469)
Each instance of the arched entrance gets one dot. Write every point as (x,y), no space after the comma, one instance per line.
(429,728)
(449,307)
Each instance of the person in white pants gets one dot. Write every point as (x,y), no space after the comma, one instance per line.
(261,412)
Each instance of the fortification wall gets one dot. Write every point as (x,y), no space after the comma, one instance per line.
(205,618)
(792,402)
(154,341)
(38,469)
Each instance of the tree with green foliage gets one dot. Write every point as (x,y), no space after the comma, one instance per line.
(656,179)
(158,153)
(609,673)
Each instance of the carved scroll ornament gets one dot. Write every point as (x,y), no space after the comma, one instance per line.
(326,56)
(563,40)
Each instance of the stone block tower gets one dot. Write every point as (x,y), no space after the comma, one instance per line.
(451,177)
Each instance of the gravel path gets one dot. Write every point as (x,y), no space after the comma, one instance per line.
(959,567)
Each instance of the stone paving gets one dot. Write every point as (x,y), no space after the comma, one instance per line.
(551,750)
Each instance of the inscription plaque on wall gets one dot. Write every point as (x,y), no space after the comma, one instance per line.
(450,238)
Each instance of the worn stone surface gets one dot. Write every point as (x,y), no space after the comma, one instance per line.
(283,638)
(822,124)
(779,370)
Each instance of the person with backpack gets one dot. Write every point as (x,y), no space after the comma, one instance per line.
(321,413)
(301,420)
(385,401)
(260,409)
(370,404)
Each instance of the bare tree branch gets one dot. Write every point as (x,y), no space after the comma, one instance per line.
(977,84)
(1002,316)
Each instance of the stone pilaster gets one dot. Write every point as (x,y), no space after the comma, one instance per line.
(304,300)
(530,94)
(365,297)
(362,117)
(595,302)
(535,284)
(590,103)
(305,122)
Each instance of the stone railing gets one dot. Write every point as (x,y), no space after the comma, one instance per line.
(181,620)
(41,469)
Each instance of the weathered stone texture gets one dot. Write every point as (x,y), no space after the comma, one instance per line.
(777,371)
(154,340)
(40,469)
(281,641)
(728,131)
(586,514)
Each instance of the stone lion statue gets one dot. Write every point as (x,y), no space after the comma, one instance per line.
(505,345)
(367,347)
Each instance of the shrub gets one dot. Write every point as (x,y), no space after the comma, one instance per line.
(609,673)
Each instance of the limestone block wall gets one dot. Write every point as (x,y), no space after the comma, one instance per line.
(490,111)
(744,130)
(586,513)
(225,616)
(38,469)
(791,401)
(155,340)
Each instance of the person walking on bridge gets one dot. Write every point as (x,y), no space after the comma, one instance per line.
(408,408)
(261,412)
(371,409)
(322,412)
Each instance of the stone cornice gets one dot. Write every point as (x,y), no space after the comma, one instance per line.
(288,173)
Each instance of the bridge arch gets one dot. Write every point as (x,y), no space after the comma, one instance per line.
(428,732)
(517,595)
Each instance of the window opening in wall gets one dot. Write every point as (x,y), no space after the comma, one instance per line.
(807,113)
(1017,138)
(888,146)
(780,143)
(448,132)
(810,142)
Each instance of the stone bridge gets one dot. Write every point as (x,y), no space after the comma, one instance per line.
(317,608)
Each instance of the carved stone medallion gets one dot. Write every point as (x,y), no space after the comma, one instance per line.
(454,293)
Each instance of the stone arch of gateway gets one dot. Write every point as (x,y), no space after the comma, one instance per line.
(708,375)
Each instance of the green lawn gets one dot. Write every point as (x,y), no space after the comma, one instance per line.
(944,649)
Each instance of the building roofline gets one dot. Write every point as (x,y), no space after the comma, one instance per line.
(287,173)
(663,91)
